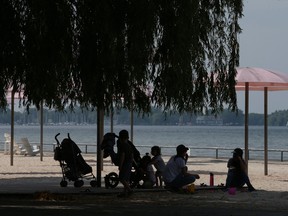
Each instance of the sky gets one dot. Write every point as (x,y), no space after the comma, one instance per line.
(264,44)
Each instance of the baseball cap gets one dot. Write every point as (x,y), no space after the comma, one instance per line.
(238,151)
(181,148)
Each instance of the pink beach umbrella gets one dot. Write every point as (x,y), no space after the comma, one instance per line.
(259,79)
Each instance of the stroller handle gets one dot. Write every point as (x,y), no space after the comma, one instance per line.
(58,143)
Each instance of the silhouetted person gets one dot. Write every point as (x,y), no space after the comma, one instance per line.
(176,173)
(237,171)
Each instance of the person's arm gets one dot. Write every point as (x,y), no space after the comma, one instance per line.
(186,173)
(153,161)
(243,165)
(121,160)
(186,158)
(229,163)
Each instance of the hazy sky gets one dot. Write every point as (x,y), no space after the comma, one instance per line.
(264,43)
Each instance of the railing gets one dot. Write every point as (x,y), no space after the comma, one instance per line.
(226,152)
(217,152)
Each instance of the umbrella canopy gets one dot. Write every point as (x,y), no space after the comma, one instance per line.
(259,79)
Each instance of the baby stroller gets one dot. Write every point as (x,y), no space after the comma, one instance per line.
(74,167)
(138,174)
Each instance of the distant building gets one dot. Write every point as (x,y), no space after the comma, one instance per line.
(209,120)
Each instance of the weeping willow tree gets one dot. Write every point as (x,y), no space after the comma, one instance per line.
(176,54)
(11,50)
(183,52)
(196,55)
(37,51)
(47,27)
(180,55)
(116,48)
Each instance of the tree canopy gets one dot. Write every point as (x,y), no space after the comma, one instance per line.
(176,54)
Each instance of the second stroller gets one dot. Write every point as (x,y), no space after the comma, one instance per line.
(138,175)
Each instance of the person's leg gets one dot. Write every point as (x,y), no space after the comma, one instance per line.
(234,179)
(151,174)
(239,180)
(229,179)
(246,181)
(126,185)
(181,181)
(124,178)
(159,180)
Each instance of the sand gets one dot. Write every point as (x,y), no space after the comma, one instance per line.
(271,189)
(32,167)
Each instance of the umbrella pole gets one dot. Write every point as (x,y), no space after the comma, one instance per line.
(12,129)
(265,132)
(246,122)
(111,120)
(41,131)
(131,125)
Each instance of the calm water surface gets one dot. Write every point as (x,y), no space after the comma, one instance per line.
(164,136)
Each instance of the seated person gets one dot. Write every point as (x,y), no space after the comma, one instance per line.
(159,164)
(237,171)
(176,173)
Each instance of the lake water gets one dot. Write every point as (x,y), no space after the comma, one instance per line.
(167,137)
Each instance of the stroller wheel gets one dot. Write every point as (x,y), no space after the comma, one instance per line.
(93,183)
(63,183)
(111,180)
(78,183)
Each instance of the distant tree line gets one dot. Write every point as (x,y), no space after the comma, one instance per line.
(156,117)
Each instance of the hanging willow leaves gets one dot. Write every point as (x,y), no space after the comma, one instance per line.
(177,54)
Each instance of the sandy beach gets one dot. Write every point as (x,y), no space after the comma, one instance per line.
(271,189)
(32,167)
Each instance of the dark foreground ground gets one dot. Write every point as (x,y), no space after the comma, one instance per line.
(32,188)
(158,203)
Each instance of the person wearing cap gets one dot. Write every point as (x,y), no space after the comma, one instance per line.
(125,154)
(176,173)
(237,171)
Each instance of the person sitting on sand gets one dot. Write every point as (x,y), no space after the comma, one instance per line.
(237,171)
(176,173)
(159,164)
